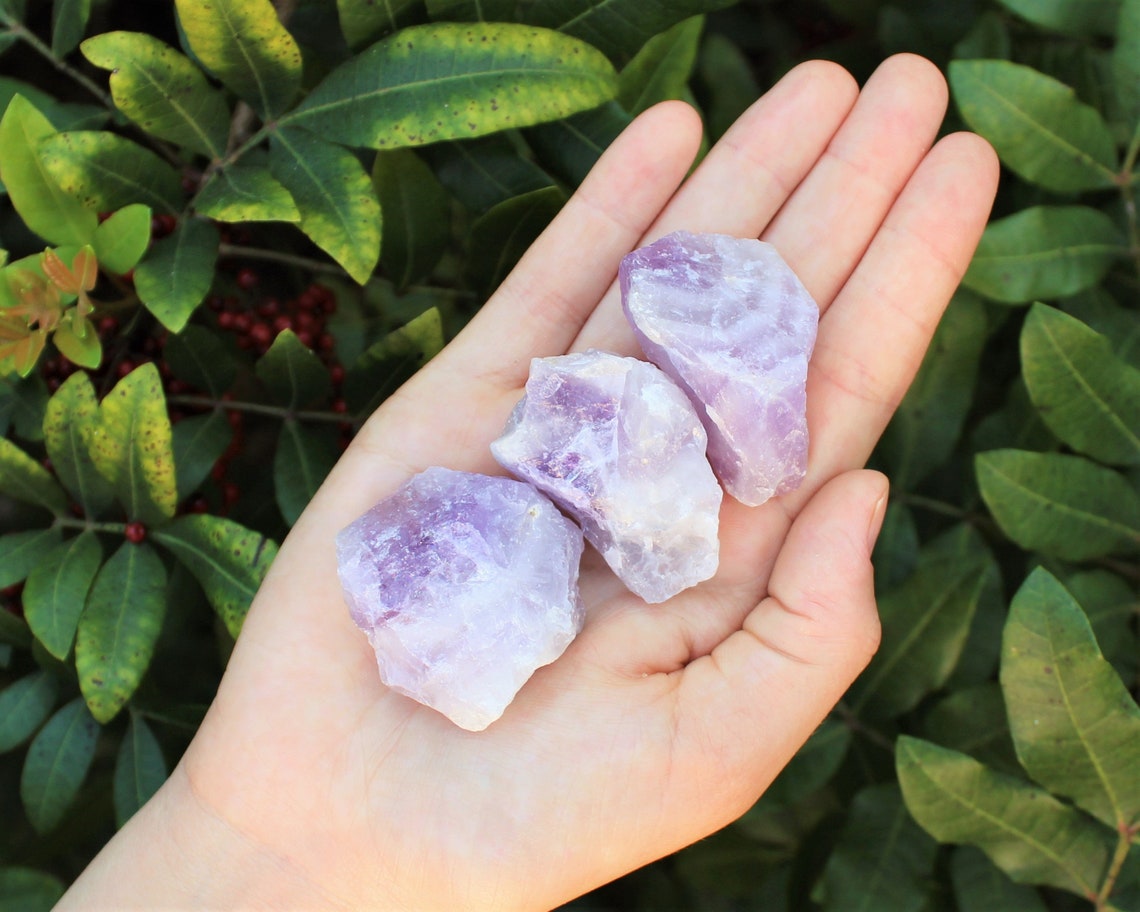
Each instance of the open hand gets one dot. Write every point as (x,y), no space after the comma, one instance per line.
(311,786)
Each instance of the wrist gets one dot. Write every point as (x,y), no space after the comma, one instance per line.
(176,854)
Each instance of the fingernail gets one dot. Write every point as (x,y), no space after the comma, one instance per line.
(876,524)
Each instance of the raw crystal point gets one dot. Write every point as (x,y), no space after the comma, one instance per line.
(617,445)
(730,322)
(465,584)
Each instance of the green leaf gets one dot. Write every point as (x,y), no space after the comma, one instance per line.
(417,216)
(1087,396)
(571,147)
(228,560)
(243,43)
(107,171)
(1126,62)
(1110,604)
(364,21)
(140,769)
(617,27)
(925,623)
(980,886)
(1016,425)
(28,890)
(177,273)
(928,423)
(122,239)
(1025,831)
(661,69)
(22,478)
(80,346)
(293,375)
(883,860)
(1069,17)
(71,419)
(304,457)
(198,443)
(246,193)
(25,399)
(56,592)
(197,357)
(119,627)
(387,364)
(162,91)
(1044,252)
(57,764)
(972,720)
(1120,325)
(1036,125)
(24,705)
(68,23)
(131,446)
(987,38)
(728,82)
(472,10)
(450,81)
(500,237)
(332,191)
(481,173)
(21,552)
(55,215)
(1075,726)
(896,549)
(1061,505)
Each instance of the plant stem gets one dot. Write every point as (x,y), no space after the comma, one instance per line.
(1123,846)
(257,408)
(847,717)
(20,31)
(279,256)
(87,525)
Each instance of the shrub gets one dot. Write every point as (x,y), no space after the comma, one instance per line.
(245,254)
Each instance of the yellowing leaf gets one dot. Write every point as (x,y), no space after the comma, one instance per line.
(131,446)
(55,215)
(243,43)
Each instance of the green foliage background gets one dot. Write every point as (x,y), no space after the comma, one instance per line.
(258,226)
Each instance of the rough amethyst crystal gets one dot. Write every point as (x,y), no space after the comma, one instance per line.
(465,584)
(617,445)
(729,321)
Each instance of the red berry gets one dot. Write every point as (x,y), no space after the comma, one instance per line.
(135,533)
(226,320)
(336,372)
(261,334)
(107,325)
(269,307)
(125,367)
(230,493)
(339,406)
(305,337)
(198,505)
(216,303)
(218,472)
(282,323)
(243,322)
(248,279)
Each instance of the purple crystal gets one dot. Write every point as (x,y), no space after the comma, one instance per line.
(729,321)
(617,445)
(465,584)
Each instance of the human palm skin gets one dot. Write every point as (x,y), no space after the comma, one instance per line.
(310,786)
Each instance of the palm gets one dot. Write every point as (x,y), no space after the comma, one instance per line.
(660,723)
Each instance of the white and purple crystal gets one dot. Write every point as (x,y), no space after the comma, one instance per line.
(619,447)
(730,322)
(465,585)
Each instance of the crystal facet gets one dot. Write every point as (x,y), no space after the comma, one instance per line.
(733,325)
(619,447)
(465,584)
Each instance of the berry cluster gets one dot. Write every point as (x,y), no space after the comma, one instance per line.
(256,323)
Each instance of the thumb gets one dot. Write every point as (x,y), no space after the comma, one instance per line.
(762,691)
